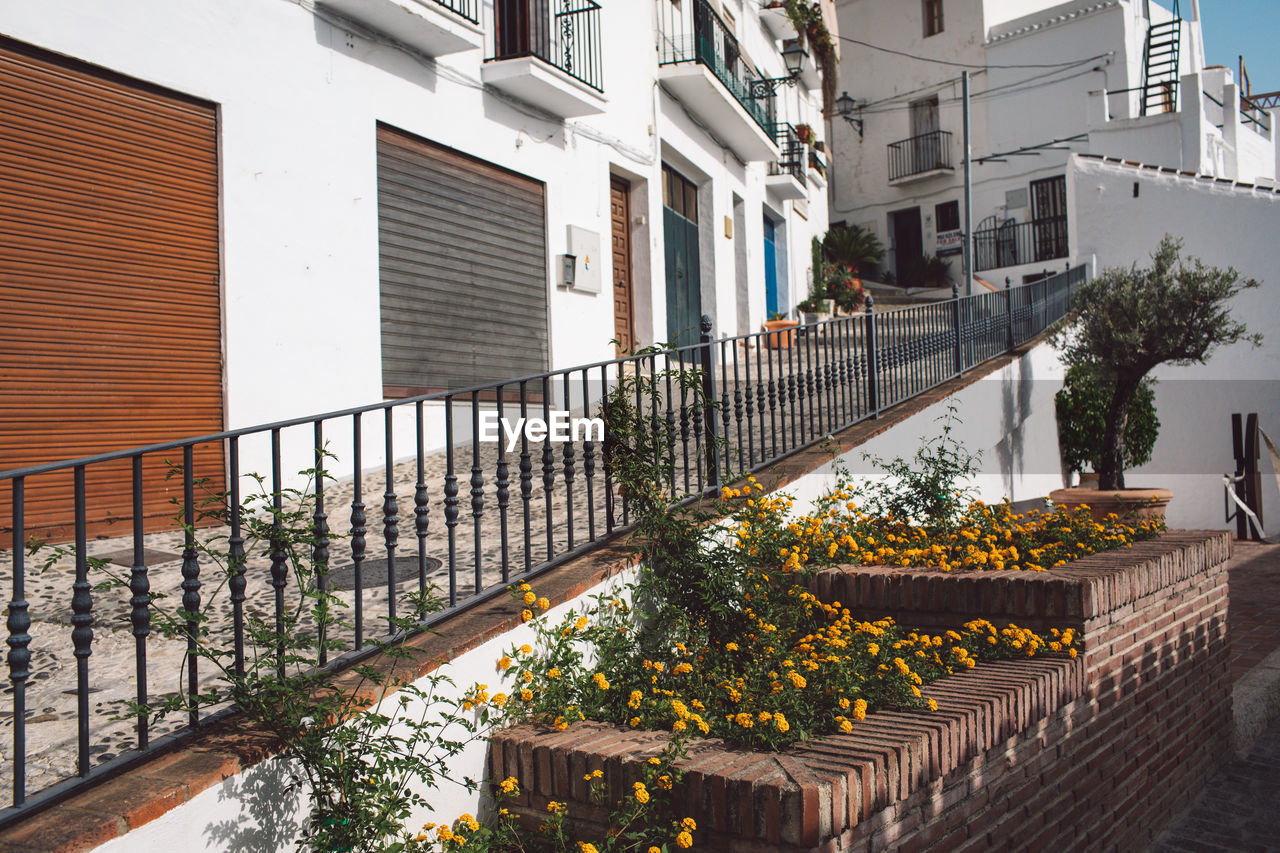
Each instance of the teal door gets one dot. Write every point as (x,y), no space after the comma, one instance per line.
(680,239)
(770,268)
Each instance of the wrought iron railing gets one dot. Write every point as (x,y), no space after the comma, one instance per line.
(1253,115)
(694,32)
(509,511)
(1015,243)
(792,156)
(923,153)
(469,9)
(562,33)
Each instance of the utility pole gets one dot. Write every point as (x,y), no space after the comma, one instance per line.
(968,194)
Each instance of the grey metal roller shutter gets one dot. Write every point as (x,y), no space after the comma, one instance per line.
(462,253)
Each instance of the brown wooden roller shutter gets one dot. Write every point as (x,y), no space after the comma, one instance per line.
(110,327)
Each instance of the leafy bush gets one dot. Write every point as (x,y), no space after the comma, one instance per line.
(1081,408)
(852,247)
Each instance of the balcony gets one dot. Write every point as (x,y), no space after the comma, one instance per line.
(786,178)
(818,168)
(776,20)
(1011,244)
(551,60)
(436,27)
(701,64)
(920,157)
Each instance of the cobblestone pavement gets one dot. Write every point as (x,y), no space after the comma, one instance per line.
(1254,613)
(1239,810)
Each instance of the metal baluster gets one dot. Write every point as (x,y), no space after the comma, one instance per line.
(82,619)
(841,329)
(139,601)
(705,356)
(827,420)
(421,497)
(390,514)
(851,356)
(787,390)
(566,454)
(654,422)
(548,466)
(671,434)
(320,548)
(725,417)
(190,575)
(451,501)
(773,406)
(503,491)
(869,330)
(684,421)
(235,547)
(737,404)
(588,461)
(606,454)
(358,529)
(19,623)
(477,493)
(698,458)
(810,408)
(956,327)
(750,396)
(526,480)
(279,566)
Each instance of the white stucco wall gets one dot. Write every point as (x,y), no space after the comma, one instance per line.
(1223,226)
(299,95)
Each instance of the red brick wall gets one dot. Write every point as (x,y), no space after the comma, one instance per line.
(1090,754)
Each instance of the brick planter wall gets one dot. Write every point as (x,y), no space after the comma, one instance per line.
(1095,753)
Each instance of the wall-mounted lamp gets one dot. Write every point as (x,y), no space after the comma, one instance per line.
(794,55)
(845,105)
(569,270)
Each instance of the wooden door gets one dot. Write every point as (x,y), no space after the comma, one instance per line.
(623,298)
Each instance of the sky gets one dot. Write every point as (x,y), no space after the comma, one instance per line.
(1249,27)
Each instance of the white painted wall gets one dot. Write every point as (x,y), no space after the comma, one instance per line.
(1224,226)
(299,96)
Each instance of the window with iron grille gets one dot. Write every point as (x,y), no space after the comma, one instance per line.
(948,216)
(932,17)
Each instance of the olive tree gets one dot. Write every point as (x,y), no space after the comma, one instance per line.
(1126,321)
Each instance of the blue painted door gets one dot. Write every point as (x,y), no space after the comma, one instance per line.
(770,267)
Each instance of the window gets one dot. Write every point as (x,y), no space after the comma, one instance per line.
(932,17)
(679,193)
(948,216)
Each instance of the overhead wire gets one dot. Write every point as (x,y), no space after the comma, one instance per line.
(955,64)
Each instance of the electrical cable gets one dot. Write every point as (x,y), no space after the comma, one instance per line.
(970,64)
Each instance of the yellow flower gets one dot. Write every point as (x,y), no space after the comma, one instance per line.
(684,840)
(689,824)
(509,785)
(561,724)
(640,792)
(600,680)
(555,807)
(526,649)
(544,604)
(731,647)
(526,615)
(444,833)
(470,822)
(580,624)
(529,598)
(594,774)
(554,672)
(526,695)
(584,847)
(499,700)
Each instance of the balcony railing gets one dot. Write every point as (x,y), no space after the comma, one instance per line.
(1252,115)
(1015,243)
(425,502)
(919,154)
(793,156)
(568,39)
(699,35)
(469,9)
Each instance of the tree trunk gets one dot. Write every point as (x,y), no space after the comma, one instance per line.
(1111,474)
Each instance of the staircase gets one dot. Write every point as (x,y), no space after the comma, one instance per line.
(1160,65)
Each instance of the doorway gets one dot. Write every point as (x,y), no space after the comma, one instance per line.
(908,242)
(680,239)
(623,297)
(771,300)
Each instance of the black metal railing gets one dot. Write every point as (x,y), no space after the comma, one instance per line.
(923,153)
(562,33)
(1216,114)
(477,515)
(1251,115)
(792,157)
(694,32)
(469,9)
(1015,243)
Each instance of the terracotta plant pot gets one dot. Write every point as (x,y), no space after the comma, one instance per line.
(784,333)
(1126,503)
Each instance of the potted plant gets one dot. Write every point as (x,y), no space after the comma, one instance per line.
(804,133)
(852,246)
(1122,325)
(782,330)
(1081,410)
(814,309)
(843,285)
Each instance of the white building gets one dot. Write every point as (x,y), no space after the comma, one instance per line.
(227,212)
(1123,78)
